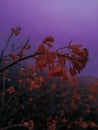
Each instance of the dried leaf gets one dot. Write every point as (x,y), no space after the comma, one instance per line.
(76,46)
(13,56)
(41,48)
(48,39)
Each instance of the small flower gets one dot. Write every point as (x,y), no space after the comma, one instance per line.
(26,124)
(84,124)
(11,89)
(16,31)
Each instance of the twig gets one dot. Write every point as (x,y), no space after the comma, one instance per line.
(19,60)
(24,46)
(3,100)
(67,47)
(3,51)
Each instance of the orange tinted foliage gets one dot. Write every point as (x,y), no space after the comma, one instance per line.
(48,39)
(56,71)
(76,46)
(65,63)
(74,59)
(84,125)
(72,71)
(42,49)
(52,55)
(53,85)
(25,124)
(93,124)
(5,62)
(34,85)
(11,89)
(13,56)
(41,79)
(49,45)
(21,72)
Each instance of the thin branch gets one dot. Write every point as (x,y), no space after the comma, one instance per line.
(3,51)
(3,100)
(24,46)
(19,60)
(61,48)
(64,46)
(13,51)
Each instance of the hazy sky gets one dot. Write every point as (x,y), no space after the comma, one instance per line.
(63,19)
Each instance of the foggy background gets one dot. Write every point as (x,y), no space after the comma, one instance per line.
(62,19)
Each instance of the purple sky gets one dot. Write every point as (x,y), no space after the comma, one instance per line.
(63,19)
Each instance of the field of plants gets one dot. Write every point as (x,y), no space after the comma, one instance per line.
(46,94)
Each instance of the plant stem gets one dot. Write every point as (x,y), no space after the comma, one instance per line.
(3,101)
(3,51)
(19,60)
